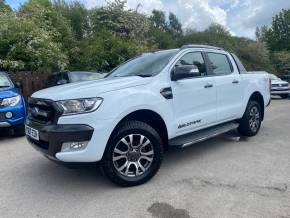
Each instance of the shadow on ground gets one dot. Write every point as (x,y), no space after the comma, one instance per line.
(89,176)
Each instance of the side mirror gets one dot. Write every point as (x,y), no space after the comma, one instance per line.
(61,82)
(184,71)
(17,85)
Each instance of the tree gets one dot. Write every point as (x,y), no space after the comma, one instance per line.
(33,38)
(215,35)
(77,16)
(120,21)
(25,46)
(104,51)
(261,34)
(281,61)
(158,20)
(174,27)
(254,56)
(278,35)
(4,7)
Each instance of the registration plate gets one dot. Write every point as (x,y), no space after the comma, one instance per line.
(33,133)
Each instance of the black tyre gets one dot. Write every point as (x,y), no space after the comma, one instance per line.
(251,121)
(284,96)
(133,155)
(19,130)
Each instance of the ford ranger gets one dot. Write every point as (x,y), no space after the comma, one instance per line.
(151,103)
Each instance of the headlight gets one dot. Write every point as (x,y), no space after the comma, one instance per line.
(80,106)
(11,102)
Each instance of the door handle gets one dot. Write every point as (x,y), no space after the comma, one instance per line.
(208,86)
(236,81)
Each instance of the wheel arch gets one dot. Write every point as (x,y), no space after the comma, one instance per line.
(149,117)
(258,97)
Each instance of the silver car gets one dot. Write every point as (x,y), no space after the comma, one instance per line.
(279,87)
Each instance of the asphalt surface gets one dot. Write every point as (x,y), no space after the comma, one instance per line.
(222,177)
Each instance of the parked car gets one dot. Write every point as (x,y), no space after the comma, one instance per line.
(286,77)
(61,78)
(12,106)
(154,102)
(279,87)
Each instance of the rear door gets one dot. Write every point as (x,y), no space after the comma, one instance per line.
(229,85)
(194,99)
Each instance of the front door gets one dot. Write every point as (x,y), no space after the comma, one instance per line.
(194,99)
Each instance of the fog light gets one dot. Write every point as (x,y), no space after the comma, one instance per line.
(8,115)
(73,146)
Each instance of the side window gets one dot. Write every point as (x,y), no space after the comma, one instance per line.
(65,77)
(193,58)
(220,64)
(240,66)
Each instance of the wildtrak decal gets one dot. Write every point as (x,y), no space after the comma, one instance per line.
(180,126)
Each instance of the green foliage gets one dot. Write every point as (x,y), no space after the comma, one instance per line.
(104,51)
(24,46)
(277,38)
(164,34)
(158,20)
(281,61)
(4,7)
(174,26)
(116,19)
(52,35)
(278,35)
(215,35)
(253,55)
(261,34)
(76,15)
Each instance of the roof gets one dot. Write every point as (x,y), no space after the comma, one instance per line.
(201,46)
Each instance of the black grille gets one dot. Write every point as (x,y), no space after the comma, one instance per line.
(43,111)
(279,85)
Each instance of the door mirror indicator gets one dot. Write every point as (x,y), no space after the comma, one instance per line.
(17,85)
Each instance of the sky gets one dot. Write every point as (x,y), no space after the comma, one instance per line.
(240,17)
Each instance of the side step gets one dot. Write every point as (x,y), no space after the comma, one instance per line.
(202,135)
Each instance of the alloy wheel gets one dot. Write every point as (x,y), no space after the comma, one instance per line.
(254,120)
(133,155)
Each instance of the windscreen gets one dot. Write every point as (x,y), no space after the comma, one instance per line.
(4,81)
(146,65)
(274,77)
(84,76)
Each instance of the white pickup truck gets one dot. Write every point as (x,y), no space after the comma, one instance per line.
(156,101)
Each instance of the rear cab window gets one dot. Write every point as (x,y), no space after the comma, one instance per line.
(239,64)
(220,64)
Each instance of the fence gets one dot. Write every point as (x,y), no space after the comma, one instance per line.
(29,82)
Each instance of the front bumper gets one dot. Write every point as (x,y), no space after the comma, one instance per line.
(18,116)
(280,91)
(51,137)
